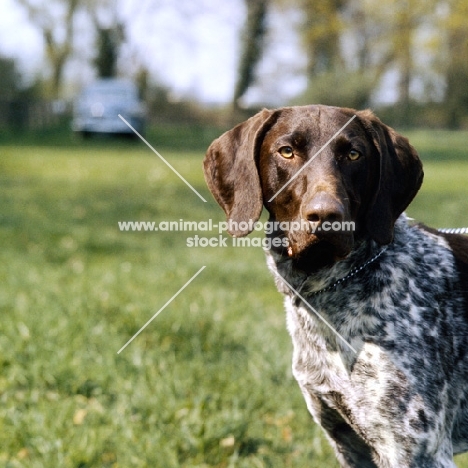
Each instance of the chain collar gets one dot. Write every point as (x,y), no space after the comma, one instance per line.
(352,273)
(356,270)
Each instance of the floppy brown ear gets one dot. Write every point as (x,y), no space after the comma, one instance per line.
(401,176)
(231,172)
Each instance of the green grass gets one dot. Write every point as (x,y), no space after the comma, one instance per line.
(180,137)
(443,200)
(208,382)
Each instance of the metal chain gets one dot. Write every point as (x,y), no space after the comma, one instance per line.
(353,272)
(356,270)
(454,230)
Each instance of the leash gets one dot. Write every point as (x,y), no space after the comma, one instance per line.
(463,230)
(453,230)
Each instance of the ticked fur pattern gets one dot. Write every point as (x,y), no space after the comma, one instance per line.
(399,401)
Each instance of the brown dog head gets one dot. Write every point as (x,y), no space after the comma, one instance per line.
(307,172)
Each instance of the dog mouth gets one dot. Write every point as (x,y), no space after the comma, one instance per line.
(311,252)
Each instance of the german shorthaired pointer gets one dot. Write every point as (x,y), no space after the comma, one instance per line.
(378,315)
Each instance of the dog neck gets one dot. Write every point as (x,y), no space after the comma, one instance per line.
(365,254)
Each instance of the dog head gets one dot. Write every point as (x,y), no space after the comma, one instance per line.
(338,174)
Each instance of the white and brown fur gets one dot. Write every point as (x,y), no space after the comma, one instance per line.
(391,390)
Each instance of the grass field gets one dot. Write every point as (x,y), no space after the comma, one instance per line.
(208,382)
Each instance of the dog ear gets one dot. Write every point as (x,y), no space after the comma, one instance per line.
(400,177)
(231,172)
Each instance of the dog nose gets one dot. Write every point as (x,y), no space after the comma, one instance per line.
(322,208)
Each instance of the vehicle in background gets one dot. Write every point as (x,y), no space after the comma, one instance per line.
(97,108)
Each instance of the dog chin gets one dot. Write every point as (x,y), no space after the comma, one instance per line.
(317,253)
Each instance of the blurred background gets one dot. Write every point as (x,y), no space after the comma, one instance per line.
(203,61)
(208,383)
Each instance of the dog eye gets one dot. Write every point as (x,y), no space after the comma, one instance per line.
(354,155)
(286,151)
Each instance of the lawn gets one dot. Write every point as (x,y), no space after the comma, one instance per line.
(208,382)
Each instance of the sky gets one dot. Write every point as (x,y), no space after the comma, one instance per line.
(18,38)
(194,55)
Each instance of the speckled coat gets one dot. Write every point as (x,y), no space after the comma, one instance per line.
(378,316)
(401,399)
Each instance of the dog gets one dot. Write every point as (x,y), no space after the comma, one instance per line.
(378,314)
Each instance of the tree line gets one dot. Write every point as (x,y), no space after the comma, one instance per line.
(355,47)
(356,51)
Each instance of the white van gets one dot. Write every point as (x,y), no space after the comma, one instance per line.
(97,108)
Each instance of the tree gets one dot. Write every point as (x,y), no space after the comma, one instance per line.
(322,31)
(406,18)
(55,19)
(9,77)
(352,44)
(251,47)
(15,96)
(456,65)
(337,74)
(108,44)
